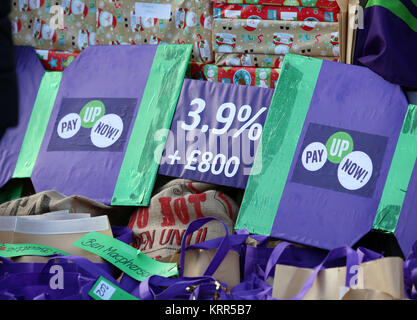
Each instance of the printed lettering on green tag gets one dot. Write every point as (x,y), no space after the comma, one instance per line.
(123,256)
(8,250)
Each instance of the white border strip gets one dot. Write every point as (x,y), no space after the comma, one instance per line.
(36,226)
(7,223)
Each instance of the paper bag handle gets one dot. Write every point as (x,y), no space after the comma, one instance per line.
(221,252)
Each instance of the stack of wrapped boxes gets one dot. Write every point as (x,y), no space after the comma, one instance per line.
(251,38)
(111,22)
(234,41)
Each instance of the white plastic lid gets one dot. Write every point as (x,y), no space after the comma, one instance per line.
(48,226)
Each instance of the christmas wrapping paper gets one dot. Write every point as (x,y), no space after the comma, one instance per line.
(56,60)
(276,37)
(249,76)
(271,12)
(145,22)
(290,3)
(45,24)
(255,60)
(195,70)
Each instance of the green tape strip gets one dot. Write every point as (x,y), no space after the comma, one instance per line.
(103,289)
(8,250)
(37,125)
(12,190)
(280,136)
(398,9)
(123,256)
(140,165)
(399,175)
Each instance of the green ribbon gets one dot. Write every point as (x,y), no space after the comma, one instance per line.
(37,125)
(397,8)
(281,132)
(140,164)
(399,175)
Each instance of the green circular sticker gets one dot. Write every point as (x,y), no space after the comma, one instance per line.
(339,145)
(91,112)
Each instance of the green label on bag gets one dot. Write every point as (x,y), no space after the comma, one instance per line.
(8,250)
(106,290)
(123,256)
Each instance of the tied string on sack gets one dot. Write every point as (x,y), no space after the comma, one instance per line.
(37,281)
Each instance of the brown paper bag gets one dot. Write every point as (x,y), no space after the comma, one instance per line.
(7,226)
(384,275)
(59,233)
(197,261)
(367,294)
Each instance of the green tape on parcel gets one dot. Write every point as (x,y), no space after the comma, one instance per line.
(157,108)
(397,8)
(276,150)
(399,175)
(37,125)
(123,256)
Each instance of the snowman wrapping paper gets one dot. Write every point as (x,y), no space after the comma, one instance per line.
(253,36)
(255,60)
(249,76)
(274,12)
(74,22)
(146,22)
(289,3)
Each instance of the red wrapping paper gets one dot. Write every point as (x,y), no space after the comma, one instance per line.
(290,3)
(249,76)
(56,60)
(271,12)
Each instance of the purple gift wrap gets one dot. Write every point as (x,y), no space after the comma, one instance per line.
(29,72)
(339,164)
(94,76)
(215,132)
(387,41)
(110,100)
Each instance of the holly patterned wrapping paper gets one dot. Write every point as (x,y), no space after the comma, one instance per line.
(271,12)
(251,36)
(66,25)
(290,3)
(146,22)
(255,60)
(249,76)
(56,60)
